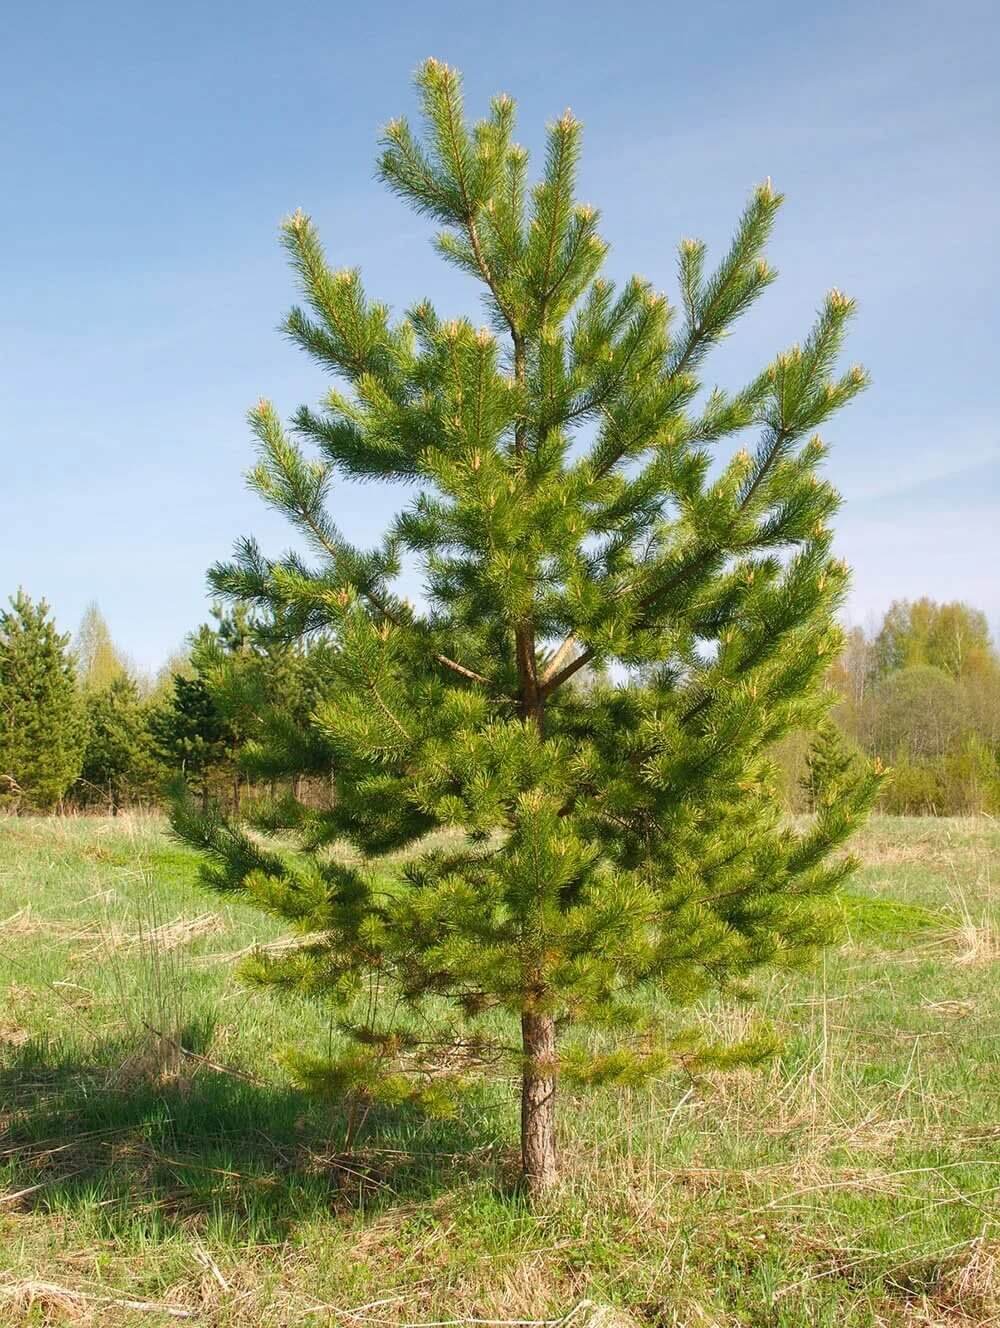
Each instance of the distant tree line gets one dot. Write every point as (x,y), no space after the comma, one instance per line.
(81,728)
(921,694)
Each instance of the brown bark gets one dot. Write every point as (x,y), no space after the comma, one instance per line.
(538,1031)
(532,702)
(538,1102)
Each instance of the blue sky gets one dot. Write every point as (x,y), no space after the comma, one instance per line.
(149,151)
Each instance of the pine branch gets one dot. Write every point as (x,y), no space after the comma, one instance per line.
(461,669)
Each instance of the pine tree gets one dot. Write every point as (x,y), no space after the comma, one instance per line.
(832,764)
(571,512)
(190,733)
(118,763)
(42,729)
(266,688)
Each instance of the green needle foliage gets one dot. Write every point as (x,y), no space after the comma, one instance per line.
(571,511)
(42,725)
(832,763)
(118,764)
(190,733)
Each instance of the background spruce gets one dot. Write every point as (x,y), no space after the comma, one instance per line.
(42,725)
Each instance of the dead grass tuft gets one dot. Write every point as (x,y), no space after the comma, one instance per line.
(13,1034)
(158,1059)
(953,1009)
(976,942)
(166,936)
(966,1290)
(24,1296)
(181,931)
(27,1296)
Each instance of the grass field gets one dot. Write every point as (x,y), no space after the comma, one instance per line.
(155,1167)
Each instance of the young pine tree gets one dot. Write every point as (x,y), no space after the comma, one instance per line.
(831,764)
(118,762)
(191,735)
(42,728)
(265,687)
(571,510)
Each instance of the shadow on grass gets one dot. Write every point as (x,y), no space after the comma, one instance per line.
(209,1150)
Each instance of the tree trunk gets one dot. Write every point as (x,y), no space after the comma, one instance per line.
(538,1031)
(538,1102)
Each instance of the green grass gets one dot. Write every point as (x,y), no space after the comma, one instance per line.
(151,1150)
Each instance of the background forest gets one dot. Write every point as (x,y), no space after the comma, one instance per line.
(83,730)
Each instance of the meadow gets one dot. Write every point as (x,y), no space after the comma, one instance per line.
(155,1166)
